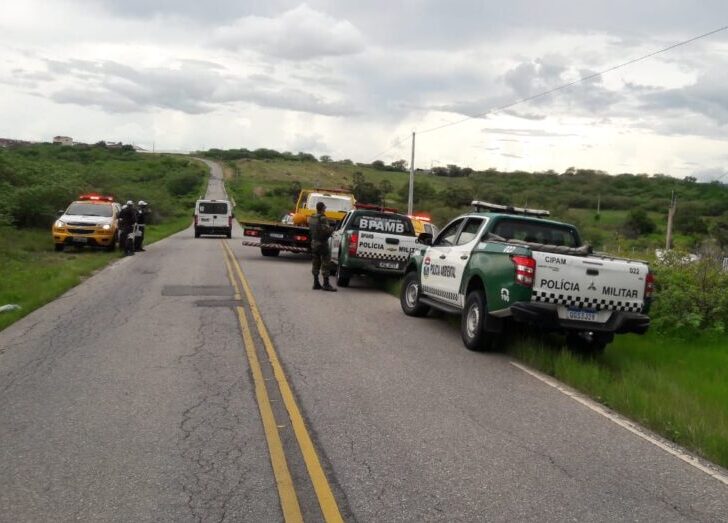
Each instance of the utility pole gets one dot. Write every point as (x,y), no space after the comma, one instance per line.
(410,202)
(670,217)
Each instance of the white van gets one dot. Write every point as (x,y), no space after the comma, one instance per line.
(213,217)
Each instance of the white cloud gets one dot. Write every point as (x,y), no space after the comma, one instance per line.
(299,34)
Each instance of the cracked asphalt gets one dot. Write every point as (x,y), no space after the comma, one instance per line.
(130,399)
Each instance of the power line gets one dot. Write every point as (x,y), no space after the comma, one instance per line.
(560,88)
(578,81)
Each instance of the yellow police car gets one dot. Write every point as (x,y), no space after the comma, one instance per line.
(93,220)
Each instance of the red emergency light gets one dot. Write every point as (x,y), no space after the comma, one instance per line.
(96,197)
(421,217)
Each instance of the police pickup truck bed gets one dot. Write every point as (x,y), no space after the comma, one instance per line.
(513,265)
(371,241)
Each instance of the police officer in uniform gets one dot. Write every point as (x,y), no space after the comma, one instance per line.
(127,219)
(141,219)
(320,230)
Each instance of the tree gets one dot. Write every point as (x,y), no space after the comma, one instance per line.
(378,165)
(365,191)
(638,223)
(399,165)
(325,158)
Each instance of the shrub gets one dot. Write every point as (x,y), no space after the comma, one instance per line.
(692,296)
(183,183)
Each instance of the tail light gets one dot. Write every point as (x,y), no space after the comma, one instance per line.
(300,238)
(649,286)
(353,243)
(525,270)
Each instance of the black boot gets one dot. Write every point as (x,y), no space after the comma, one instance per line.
(327,286)
(316,283)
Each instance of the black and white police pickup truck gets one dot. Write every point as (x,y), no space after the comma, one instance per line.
(501,264)
(371,240)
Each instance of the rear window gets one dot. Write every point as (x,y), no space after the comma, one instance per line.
(90,209)
(386,223)
(333,203)
(534,232)
(213,208)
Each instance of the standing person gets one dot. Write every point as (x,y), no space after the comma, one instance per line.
(127,219)
(320,230)
(141,220)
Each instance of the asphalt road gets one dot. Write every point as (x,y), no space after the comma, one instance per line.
(131,398)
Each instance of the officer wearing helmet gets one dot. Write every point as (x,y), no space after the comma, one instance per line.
(320,231)
(127,220)
(141,220)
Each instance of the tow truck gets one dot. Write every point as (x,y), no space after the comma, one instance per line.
(93,220)
(291,233)
(502,264)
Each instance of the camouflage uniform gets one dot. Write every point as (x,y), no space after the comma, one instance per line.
(320,230)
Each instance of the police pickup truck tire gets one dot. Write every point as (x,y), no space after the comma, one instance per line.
(409,297)
(269,251)
(342,277)
(111,247)
(472,323)
(58,246)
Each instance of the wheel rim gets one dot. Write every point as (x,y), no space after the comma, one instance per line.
(473,320)
(411,294)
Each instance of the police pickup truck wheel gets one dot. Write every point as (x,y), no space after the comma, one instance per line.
(472,322)
(269,251)
(409,297)
(342,277)
(58,246)
(111,247)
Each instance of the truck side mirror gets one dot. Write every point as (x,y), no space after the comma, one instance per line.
(425,238)
(60,213)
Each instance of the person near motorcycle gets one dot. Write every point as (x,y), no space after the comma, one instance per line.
(127,220)
(141,220)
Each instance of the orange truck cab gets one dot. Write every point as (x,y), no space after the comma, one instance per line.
(93,220)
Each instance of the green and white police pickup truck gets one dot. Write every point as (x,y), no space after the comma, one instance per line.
(502,264)
(371,240)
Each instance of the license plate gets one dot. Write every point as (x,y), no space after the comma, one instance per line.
(80,239)
(276,235)
(581,315)
(389,265)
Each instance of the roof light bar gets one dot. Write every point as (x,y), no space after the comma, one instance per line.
(508,209)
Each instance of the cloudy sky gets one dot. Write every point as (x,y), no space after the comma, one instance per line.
(353,79)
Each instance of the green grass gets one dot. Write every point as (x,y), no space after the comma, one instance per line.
(677,388)
(37,180)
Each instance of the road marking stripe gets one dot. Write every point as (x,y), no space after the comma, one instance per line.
(284,482)
(622,422)
(326,499)
(230,273)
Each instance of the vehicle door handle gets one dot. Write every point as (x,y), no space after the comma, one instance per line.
(443,256)
(464,257)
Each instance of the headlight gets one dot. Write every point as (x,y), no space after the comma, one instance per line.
(106,226)
(59,224)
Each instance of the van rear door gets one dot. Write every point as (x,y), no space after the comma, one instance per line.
(213,214)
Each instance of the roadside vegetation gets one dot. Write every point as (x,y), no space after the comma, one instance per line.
(37,181)
(673,380)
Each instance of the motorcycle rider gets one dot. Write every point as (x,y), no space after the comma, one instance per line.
(141,218)
(127,219)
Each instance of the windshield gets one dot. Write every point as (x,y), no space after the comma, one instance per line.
(90,209)
(333,203)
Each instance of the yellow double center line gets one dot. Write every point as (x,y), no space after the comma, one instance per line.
(284,482)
